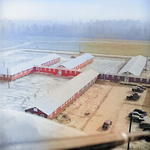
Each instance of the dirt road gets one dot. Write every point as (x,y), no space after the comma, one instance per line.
(104,100)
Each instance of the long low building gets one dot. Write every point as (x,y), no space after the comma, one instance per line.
(23,69)
(52,104)
(134,66)
(78,62)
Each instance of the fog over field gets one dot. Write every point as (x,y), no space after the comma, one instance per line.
(106,29)
(108,19)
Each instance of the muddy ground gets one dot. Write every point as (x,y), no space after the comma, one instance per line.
(106,100)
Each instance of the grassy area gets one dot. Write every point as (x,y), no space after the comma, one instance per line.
(117,47)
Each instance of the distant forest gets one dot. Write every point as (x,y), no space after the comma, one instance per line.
(108,29)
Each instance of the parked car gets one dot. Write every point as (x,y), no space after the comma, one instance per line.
(134,96)
(107,124)
(144,124)
(141,112)
(142,87)
(136,113)
(137,95)
(146,128)
(137,89)
(137,119)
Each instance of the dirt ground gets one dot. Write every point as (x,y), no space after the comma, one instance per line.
(102,101)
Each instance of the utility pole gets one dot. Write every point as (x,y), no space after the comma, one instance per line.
(3,64)
(79,47)
(8,79)
(129,132)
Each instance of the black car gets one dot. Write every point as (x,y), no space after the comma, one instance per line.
(144,124)
(132,97)
(141,112)
(146,129)
(142,87)
(137,119)
(136,113)
(136,95)
(137,89)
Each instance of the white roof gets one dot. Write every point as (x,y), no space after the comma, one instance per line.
(134,66)
(51,102)
(28,65)
(77,61)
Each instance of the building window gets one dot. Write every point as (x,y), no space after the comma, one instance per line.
(42,115)
(141,79)
(118,77)
(134,79)
(35,109)
(147,80)
(112,76)
(59,71)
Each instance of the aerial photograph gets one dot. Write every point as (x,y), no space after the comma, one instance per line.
(75,74)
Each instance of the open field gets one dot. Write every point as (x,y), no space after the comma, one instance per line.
(117,47)
(105,100)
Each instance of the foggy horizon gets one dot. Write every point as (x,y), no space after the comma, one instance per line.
(80,10)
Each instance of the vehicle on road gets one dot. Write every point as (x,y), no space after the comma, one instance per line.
(137,89)
(107,124)
(140,111)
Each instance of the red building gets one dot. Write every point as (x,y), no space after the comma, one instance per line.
(23,69)
(51,105)
(59,72)
(78,62)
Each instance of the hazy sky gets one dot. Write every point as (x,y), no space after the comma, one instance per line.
(67,10)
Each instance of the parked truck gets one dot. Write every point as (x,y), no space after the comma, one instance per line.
(134,96)
(137,89)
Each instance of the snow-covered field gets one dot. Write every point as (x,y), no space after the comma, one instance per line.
(26,90)
(106,65)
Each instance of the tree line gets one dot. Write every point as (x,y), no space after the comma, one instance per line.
(111,29)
